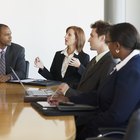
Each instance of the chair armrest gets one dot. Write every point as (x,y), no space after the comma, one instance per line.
(112,131)
(103,138)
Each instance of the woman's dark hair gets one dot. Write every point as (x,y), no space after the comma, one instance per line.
(126,35)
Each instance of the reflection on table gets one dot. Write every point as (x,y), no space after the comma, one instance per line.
(19,121)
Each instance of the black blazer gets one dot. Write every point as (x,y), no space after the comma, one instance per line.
(94,75)
(72,74)
(15,58)
(117,98)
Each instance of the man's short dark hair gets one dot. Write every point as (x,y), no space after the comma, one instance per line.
(102,27)
(2,25)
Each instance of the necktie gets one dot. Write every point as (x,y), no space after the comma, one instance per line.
(93,62)
(89,69)
(2,62)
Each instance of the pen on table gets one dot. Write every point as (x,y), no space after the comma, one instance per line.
(53,94)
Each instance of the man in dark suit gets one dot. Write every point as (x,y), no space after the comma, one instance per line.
(94,74)
(11,55)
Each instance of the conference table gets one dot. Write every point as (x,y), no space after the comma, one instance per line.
(19,121)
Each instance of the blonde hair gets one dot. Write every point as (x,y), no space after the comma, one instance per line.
(80,37)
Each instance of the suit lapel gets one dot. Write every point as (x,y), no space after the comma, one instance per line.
(93,69)
(91,72)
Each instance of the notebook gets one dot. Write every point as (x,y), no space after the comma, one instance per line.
(34,95)
(62,110)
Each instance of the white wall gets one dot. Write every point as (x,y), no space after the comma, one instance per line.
(39,25)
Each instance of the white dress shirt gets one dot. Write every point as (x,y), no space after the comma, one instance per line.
(66,61)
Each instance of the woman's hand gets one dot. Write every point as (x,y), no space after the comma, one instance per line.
(74,62)
(38,63)
(5,78)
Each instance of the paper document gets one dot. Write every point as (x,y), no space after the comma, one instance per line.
(45,104)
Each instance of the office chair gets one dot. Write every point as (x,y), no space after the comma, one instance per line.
(27,69)
(112,132)
(132,131)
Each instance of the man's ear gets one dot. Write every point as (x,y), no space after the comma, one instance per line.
(102,37)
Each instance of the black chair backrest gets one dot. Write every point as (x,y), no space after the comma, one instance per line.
(27,69)
(133,129)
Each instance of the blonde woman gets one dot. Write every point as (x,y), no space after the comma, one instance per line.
(68,64)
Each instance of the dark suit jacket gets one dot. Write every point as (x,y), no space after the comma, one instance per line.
(94,75)
(15,58)
(72,74)
(117,98)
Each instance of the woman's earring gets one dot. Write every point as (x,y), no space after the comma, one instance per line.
(117,51)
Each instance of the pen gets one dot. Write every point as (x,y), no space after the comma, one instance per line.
(53,94)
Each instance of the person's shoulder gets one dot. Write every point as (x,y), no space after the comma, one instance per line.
(84,54)
(135,61)
(58,52)
(17,46)
(107,58)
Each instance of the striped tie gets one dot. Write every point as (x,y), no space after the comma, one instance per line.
(2,62)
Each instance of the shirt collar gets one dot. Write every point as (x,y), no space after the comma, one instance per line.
(98,57)
(66,54)
(122,63)
(3,49)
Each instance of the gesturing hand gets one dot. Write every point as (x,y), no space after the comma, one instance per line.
(74,62)
(38,63)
